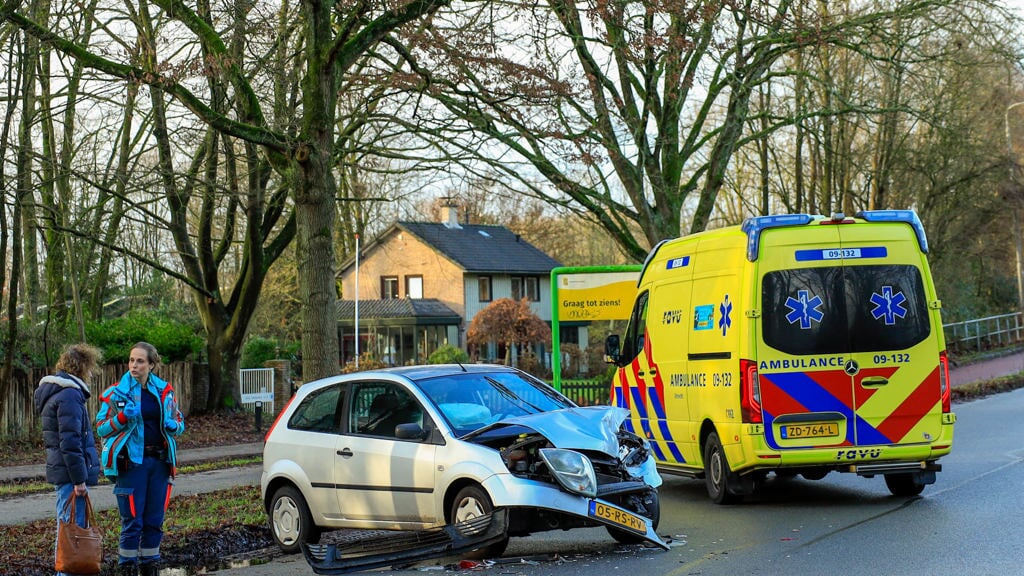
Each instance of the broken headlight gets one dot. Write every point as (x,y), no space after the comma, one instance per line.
(572,470)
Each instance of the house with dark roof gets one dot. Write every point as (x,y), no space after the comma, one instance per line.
(420,284)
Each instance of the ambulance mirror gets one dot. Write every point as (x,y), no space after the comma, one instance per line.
(611,349)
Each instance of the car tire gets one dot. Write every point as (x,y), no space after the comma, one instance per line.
(717,475)
(903,484)
(291,524)
(472,502)
(653,514)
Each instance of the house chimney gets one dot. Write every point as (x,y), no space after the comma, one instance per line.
(453,215)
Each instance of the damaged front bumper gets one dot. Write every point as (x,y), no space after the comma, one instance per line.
(514,492)
(406,547)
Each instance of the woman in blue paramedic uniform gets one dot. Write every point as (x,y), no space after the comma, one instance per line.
(138,422)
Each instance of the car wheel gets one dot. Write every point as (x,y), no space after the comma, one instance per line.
(903,484)
(290,520)
(473,502)
(717,473)
(653,506)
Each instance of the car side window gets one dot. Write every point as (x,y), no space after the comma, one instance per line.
(319,412)
(378,407)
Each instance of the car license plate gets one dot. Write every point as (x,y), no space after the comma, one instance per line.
(618,517)
(809,430)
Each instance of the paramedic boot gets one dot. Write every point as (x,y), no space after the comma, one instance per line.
(149,569)
(128,569)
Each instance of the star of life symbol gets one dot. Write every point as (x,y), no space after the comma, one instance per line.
(724,310)
(888,305)
(804,309)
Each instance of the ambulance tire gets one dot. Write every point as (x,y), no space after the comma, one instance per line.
(903,484)
(717,475)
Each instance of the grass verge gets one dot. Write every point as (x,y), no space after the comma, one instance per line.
(199,531)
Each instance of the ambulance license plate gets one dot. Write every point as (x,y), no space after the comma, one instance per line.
(618,517)
(793,431)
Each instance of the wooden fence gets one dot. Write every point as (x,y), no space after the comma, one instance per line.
(18,417)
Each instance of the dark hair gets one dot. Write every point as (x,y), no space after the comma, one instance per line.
(81,360)
(151,354)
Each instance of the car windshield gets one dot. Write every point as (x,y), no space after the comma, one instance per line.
(473,400)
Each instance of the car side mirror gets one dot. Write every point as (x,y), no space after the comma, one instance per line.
(611,349)
(410,431)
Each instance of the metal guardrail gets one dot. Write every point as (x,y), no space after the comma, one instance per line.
(985,333)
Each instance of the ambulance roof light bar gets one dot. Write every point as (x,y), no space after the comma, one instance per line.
(755,224)
(908,216)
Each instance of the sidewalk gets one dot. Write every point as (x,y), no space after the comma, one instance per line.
(987,369)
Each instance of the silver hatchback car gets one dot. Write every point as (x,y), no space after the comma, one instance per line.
(422,447)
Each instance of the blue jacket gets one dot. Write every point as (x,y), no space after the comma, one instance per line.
(67,430)
(116,431)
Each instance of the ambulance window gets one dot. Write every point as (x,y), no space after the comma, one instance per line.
(887,307)
(633,341)
(804,311)
(841,310)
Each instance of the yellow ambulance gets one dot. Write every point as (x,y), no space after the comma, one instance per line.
(792,344)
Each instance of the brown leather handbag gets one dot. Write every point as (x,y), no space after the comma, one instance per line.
(79,550)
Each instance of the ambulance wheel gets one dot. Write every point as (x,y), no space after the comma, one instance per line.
(653,513)
(717,475)
(903,484)
(472,502)
(290,521)
(815,474)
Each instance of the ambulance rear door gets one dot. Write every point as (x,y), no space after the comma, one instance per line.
(894,348)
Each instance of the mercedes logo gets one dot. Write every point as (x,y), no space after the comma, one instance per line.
(851,367)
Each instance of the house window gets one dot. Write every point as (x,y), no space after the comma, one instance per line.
(388,287)
(485,288)
(414,286)
(526,287)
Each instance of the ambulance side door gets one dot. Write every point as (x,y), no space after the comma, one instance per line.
(668,392)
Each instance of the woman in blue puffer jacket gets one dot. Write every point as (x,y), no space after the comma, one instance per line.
(72,464)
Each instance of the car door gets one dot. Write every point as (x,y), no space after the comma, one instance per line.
(383,480)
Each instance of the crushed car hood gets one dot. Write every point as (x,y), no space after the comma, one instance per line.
(590,428)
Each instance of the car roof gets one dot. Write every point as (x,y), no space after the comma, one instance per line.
(413,373)
(433,370)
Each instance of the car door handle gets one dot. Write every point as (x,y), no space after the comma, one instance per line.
(874,381)
(345,453)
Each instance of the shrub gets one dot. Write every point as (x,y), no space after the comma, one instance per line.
(174,340)
(448,354)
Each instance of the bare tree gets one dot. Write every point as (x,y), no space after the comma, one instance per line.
(631,113)
(333,39)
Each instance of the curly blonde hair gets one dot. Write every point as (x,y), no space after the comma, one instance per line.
(81,360)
